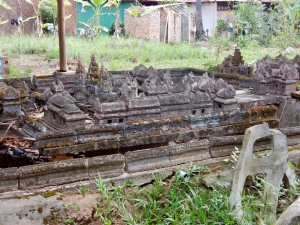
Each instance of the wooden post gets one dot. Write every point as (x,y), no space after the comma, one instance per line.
(166,28)
(189,28)
(61,35)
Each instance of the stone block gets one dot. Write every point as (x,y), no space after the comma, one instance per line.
(108,166)
(228,70)
(154,125)
(190,152)
(149,159)
(91,146)
(9,179)
(55,139)
(53,173)
(100,132)
(261,113)
(224,146)
(216,119)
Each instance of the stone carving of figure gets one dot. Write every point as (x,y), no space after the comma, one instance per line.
(56,84)
(104,80)
(79,76)
(93,71)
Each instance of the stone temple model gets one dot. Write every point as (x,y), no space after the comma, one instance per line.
(277,78)
(96,83)
(158,96)
(234,65)
(133,121)
(154,96)
(60,110)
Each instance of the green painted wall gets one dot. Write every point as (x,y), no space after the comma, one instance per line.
(105,19)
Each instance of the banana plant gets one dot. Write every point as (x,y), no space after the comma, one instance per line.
(94,22)
(3,22)
(53,4)
(5,5)
(292,10)
(37,16)
(133,11)
(116,4)
(37,13)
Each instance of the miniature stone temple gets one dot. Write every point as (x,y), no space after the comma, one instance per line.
(96,83)
(10,104)
(224,99)
(234,65)
(159,97)
(111,112)
(61,112)
(56,88)
(275,77)
(79,82)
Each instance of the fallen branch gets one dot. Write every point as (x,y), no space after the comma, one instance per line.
(216,168)
(10,125)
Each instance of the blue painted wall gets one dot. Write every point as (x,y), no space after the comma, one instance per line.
(106,19)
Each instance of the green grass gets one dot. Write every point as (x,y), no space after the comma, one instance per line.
(17,72)
(178,201)
(126,53)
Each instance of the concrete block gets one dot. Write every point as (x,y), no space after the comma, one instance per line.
(9,179)
(54,173)
(166,156)
(291,215)
(274,166)
(108,166)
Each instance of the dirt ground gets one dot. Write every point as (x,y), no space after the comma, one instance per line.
(38,63)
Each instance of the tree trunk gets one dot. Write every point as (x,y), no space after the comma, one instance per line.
(199,27)
(117,24)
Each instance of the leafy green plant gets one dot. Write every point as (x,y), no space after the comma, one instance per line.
(111,29)
(298,85)
(243,41)
(94,22)
(82,189)
(5,5)
(249,14)
(111,200)
(70,221)
(210,66)
(48,14)
(220,44)
(73,205)
(222,25)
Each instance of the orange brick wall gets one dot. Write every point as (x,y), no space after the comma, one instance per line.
(25,10)
(152,25)
(146,27)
